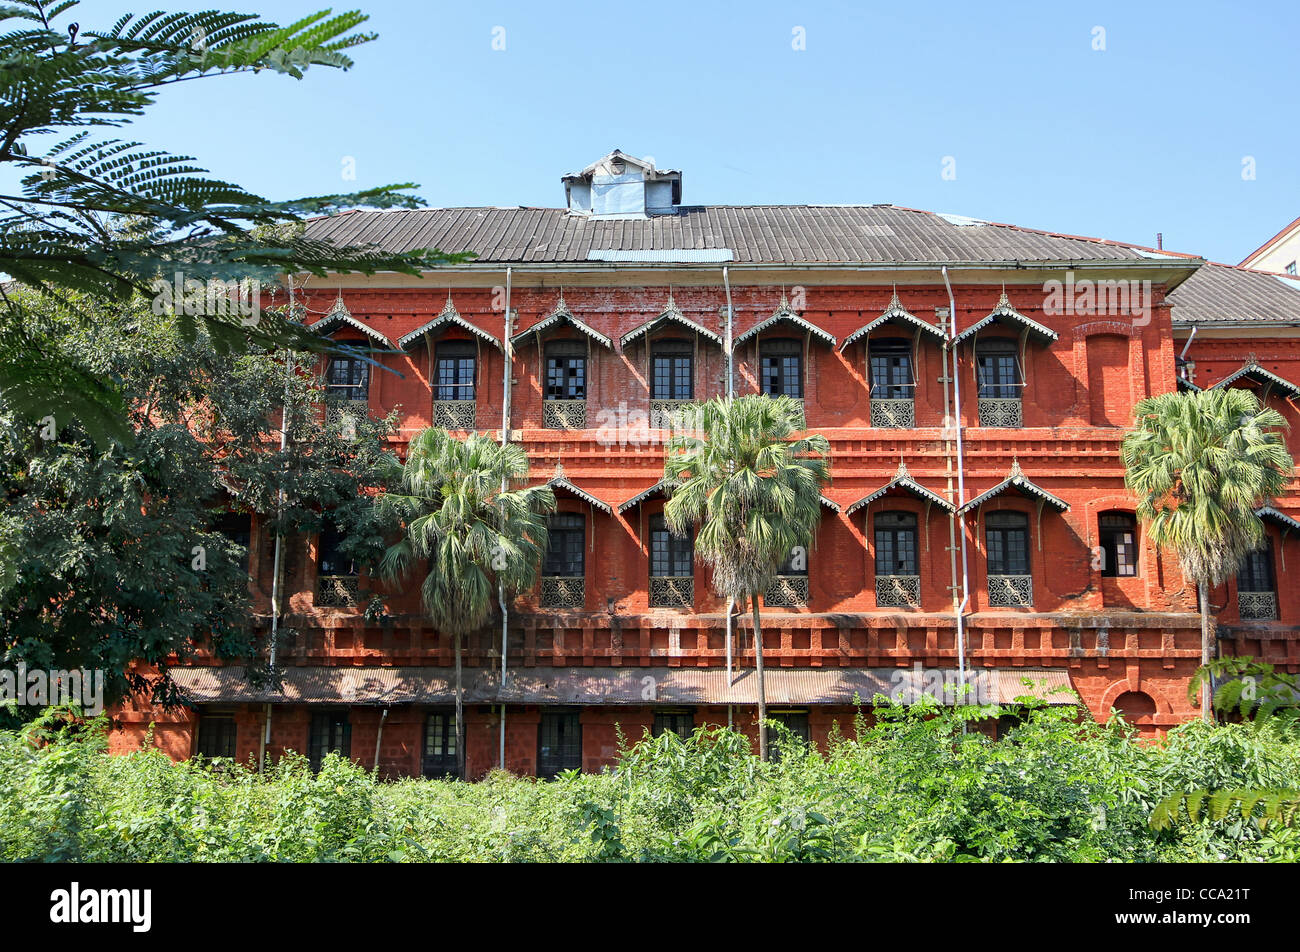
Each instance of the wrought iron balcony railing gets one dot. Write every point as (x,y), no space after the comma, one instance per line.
(560,591)
(453,414)
(1011,591)
(564,414)
(898,591)
(1000,412)
(336,591)
(1257,606)
(672,591)
(787,591)
(893,414)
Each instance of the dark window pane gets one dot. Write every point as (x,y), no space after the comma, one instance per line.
(896,536)
(439,758)
(216,735)
(348,378)
(454,371)
(891,370)
(672,370)
(330,731)
(681,723)
(670,557)
(998,369)
(781,368)
(1256,573)
(796,723)
(333,561)
(1006,536)
(566,546)
(566,371)
(1118,541)
(238,528)
(559,743)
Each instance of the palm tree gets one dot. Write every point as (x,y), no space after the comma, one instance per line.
(468,530)
(1199,464)
(754,492)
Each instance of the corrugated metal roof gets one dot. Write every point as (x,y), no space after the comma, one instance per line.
(1222,294)
(622,686)
(752,234)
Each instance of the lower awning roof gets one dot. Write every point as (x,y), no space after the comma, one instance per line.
(620,686)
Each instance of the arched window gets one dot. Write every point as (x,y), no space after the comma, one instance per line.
(454,371)
(781,367)
(1006,537)
(1117,537)
(672,370)
(998,369)
(566,370)
(891,369)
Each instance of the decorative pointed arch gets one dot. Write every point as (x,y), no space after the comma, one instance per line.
(1017,481)
(1003,313)
(903,481)
(339,314)
(897,315)
(449,317)
(558,317)
(562,483)
(671,314)
(1265,378)
(785,315)
(658,489)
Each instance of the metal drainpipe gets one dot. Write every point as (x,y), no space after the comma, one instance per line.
(505,438)
(961,489)
(731,392)
(278,559)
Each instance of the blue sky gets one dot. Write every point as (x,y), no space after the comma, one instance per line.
(1148,135)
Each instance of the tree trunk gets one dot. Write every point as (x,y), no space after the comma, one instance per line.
(1207,713)
(762,691)
(460,716)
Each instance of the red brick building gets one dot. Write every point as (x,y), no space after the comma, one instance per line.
(975,521)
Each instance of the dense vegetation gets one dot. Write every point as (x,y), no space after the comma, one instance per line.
(912,786)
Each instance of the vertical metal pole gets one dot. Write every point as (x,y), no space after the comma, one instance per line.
(507,358)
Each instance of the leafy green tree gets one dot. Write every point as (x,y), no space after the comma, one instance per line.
(751,491)
(62,230)
(1199,465)
(469,526)
(114,555)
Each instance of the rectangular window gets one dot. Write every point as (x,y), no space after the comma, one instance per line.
(454,371)
(1291,268)
(1117,536)
(347,378)
(566,371)
(896,544)
(999,370)
(781,368)
(559,743)
(216,735)
(1256,572)
(238,528)
(566,546)
(672,371)
(330,731)
(681,723)
(439,758)
(332,559)
(670,557)
(891,370)
(796,722)
(1006,536)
